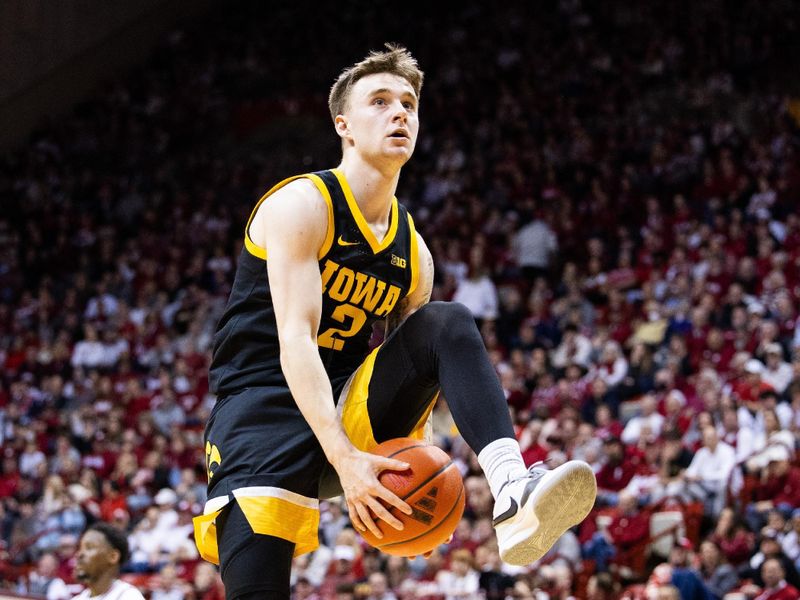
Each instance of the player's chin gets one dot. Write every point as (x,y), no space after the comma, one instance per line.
(400,152)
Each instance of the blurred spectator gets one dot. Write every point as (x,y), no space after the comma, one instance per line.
(477,291)
(44,581)
(534,246)
(206,583)
(735,540)
(169,587)
(775,586)
(708,474)
(718,576)
(461,581)
(646,425)
(779,488)
(617,471)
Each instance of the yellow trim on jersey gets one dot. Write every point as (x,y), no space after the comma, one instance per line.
(373,242)
(355,416)
(414,256)
(269,511)
(260,252)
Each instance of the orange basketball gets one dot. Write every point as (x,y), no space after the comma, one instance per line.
(434,490)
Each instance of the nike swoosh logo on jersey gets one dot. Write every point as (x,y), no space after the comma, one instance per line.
(342,242)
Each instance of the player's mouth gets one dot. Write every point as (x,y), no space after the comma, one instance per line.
(400,134)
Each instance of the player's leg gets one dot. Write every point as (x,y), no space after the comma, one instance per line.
(263,463)
(439,346)
(252,565)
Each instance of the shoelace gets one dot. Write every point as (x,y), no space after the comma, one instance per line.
(534,472)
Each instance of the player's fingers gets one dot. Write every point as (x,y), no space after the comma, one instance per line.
(383,514)
(366,519)
(390,498)
(355,519)
(391,464)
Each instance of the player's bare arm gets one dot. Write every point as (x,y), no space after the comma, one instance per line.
(292,226)
(421,295)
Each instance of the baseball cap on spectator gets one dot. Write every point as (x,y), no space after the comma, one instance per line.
(756,308)
(343,552)
(78,493)
(754,366)
(777,453)
(166,497)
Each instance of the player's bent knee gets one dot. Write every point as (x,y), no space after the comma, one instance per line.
(436,316)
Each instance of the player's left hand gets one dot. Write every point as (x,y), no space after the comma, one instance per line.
(358,473)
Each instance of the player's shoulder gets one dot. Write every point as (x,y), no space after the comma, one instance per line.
(126,591)
(299,189)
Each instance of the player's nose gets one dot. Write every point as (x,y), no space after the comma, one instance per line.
(400,112)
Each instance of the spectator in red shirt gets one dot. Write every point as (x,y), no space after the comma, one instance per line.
(112,500)
(628,527)
(775,585)
(616,473)
(780,488)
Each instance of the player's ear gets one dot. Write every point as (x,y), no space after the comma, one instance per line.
(342,126)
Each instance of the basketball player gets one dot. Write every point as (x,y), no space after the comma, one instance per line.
(300,396)
(103,549)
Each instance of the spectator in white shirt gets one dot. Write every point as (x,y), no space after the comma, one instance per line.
(708,474)
(613,366)
(649,422)
(461,581)
(477,291)
(777,373)
(90,352)
(574,349)
(534,246)
(45,582)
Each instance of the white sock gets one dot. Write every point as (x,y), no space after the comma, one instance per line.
(501,460)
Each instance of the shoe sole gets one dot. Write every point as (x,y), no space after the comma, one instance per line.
(562,500)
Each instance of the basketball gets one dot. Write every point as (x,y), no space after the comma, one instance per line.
(434,490)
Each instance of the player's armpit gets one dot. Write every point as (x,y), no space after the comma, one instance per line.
(420,296)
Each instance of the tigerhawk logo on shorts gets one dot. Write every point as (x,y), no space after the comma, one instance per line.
(213,459)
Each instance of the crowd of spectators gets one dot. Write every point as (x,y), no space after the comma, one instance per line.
(610,188)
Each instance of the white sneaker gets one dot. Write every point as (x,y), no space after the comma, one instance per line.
(532,512)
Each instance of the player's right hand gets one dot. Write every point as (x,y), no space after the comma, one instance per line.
(358,473)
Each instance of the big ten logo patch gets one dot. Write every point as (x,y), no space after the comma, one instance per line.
(422,508)
(213,459)
(398,262)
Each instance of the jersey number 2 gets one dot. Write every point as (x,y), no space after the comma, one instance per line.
(343,312)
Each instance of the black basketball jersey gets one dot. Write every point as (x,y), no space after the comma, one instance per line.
(362,281)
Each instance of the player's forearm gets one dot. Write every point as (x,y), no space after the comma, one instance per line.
(312,392)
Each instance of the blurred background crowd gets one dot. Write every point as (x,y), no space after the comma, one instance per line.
(611,189)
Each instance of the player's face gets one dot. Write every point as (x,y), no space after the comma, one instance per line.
(95,556)
(381,120)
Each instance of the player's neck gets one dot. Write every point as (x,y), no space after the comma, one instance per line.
(372,187)
(102,584)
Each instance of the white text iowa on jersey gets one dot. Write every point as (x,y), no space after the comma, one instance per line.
(342,284)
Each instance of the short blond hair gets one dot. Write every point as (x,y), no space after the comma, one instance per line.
(395,60)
